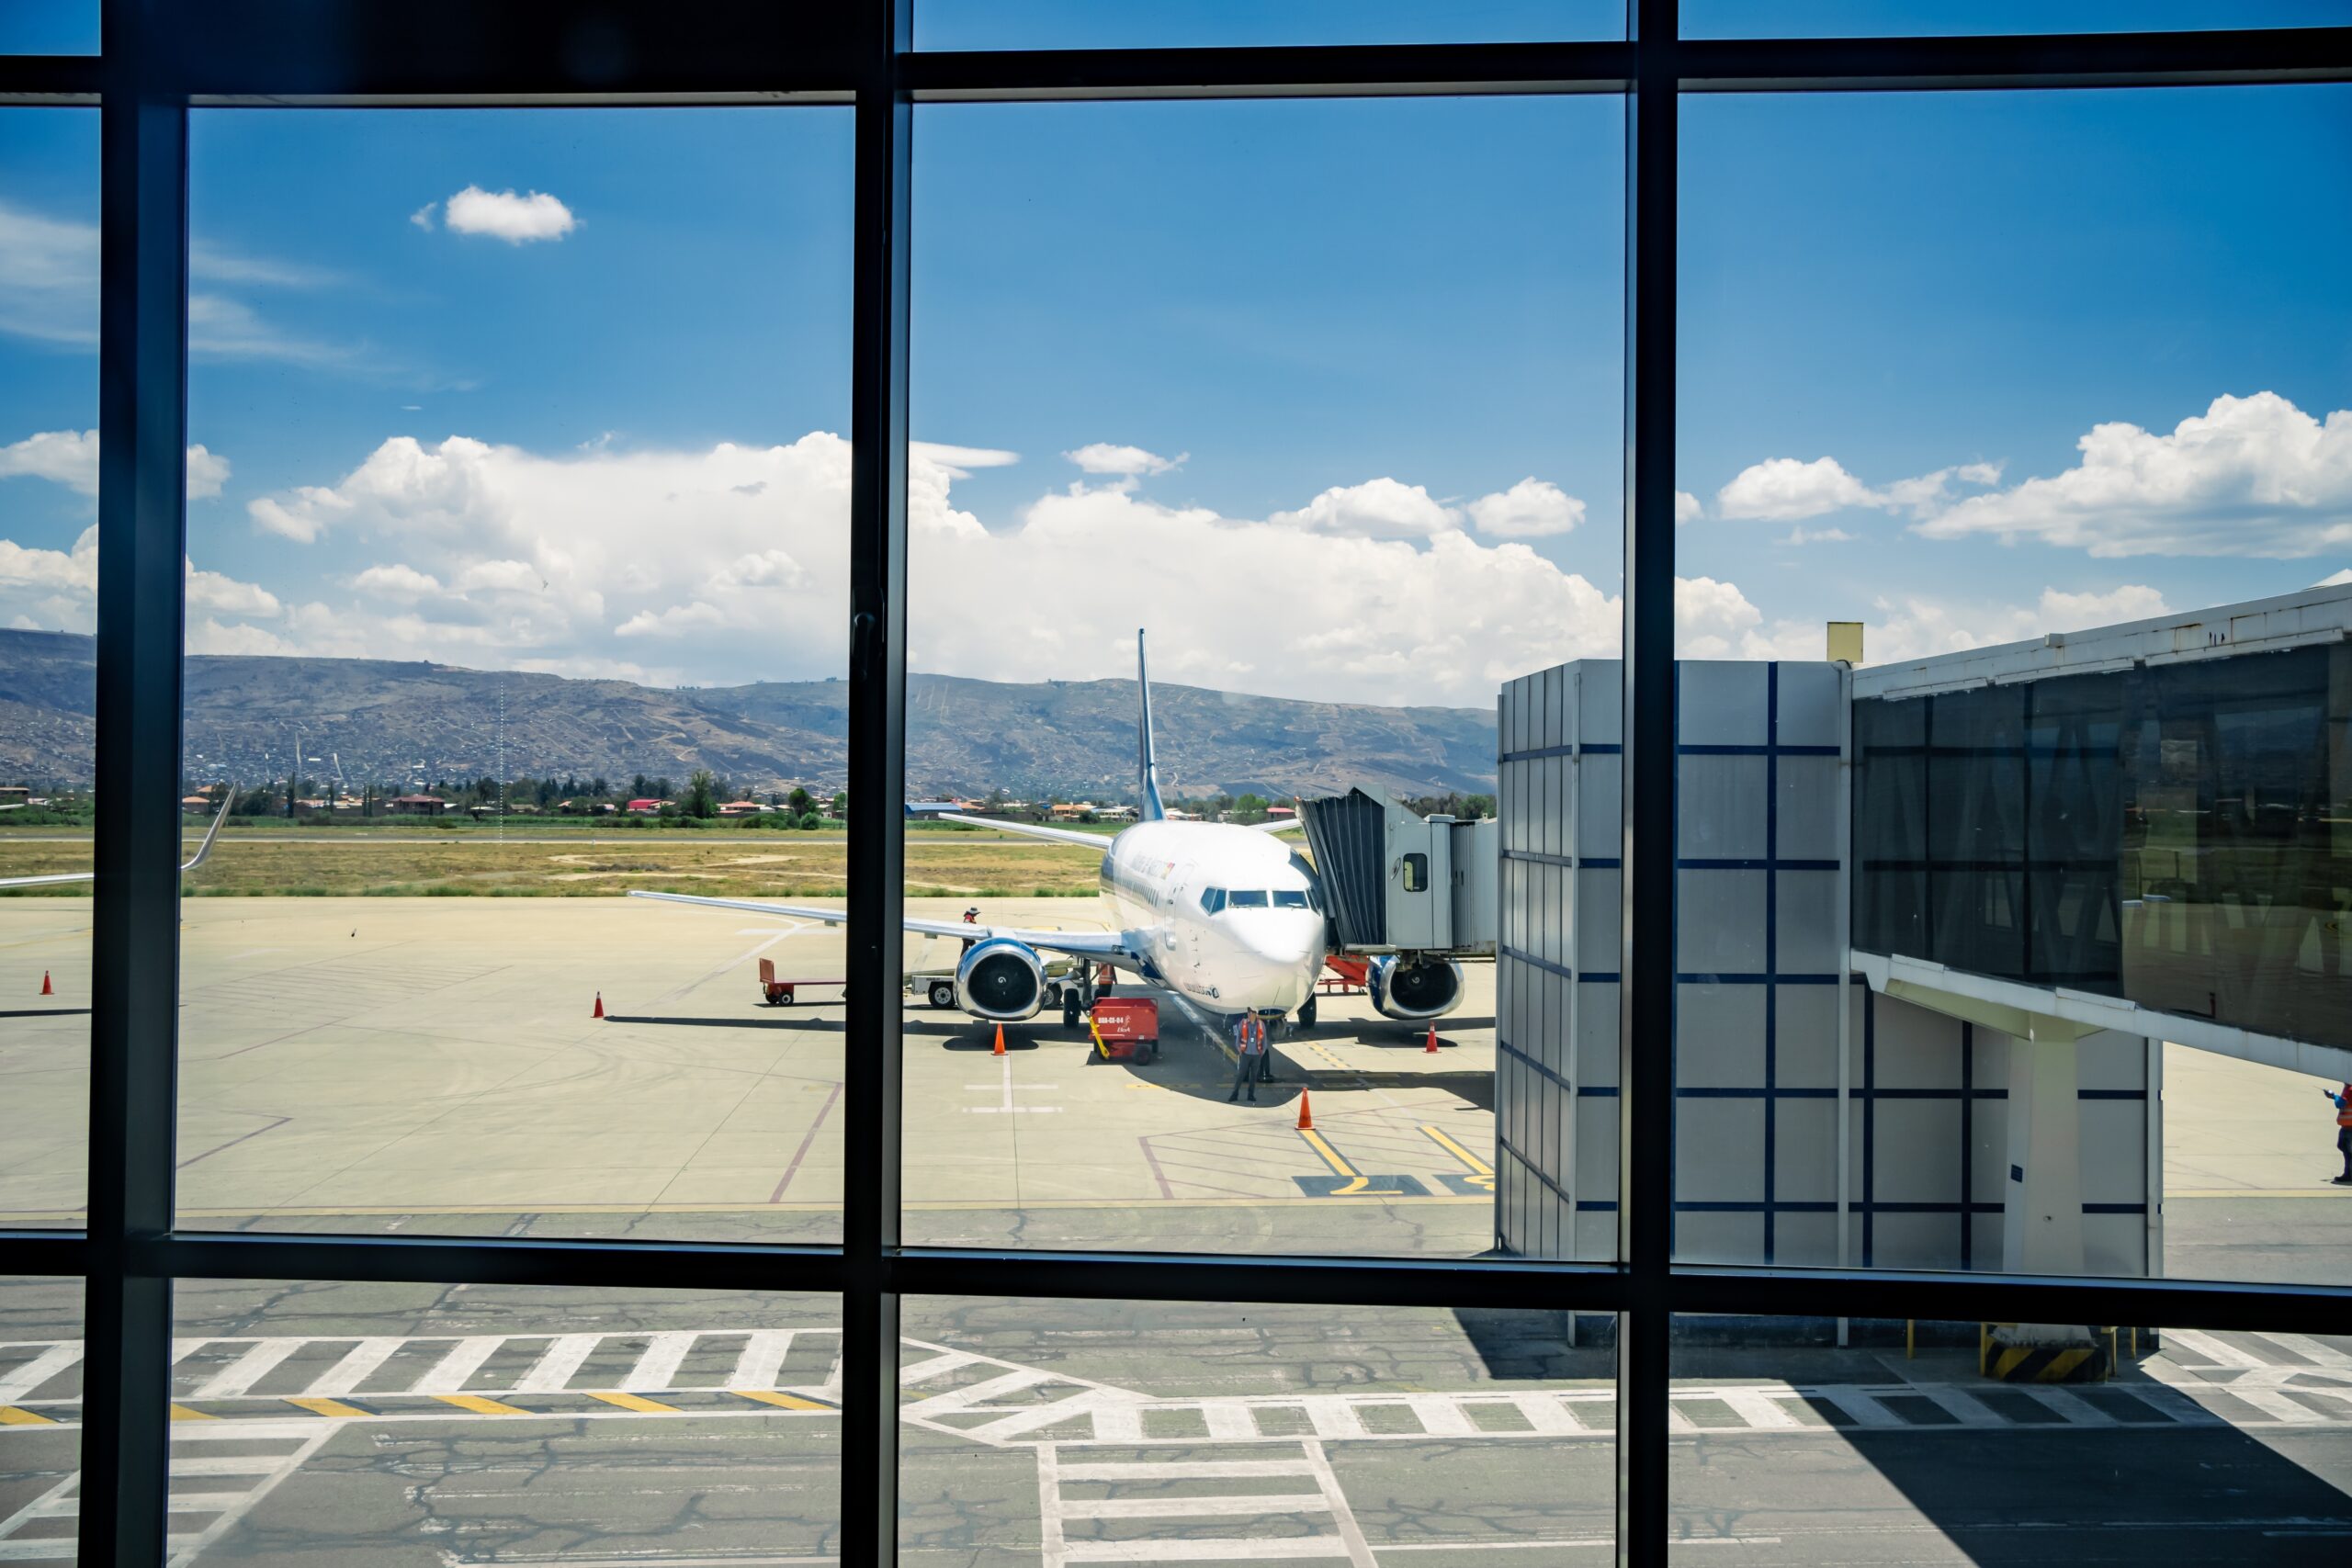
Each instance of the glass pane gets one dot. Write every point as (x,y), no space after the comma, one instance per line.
(1886,18)
(2014,691)
(1099,1431)
(1190,395)
(343,1422)
(1076,23)
(1881,1441)
(48,26)
(520,587)
(40,1418)
(49,584)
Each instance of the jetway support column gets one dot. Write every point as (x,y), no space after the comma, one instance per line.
(2042,1212)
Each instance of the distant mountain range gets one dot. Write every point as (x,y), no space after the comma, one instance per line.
(393,723)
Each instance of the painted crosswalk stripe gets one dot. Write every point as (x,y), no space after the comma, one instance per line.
(2217,1352)
(1761,1410)
(658,1365)
(240,1375)
(2310,1350)
(562,1357)
(1548,1415)
(1195,1507)
(762,1360)
(2279,1407)
(346,1375)
(464,1360)
(31,1375)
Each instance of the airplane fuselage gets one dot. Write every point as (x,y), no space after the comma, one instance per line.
(1229,917)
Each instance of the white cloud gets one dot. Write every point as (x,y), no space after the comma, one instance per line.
(49,278)
(1530,509)
(397,582)
(503,215)
(223,328)
(1102,458)
(207,472)
(1376,509)
(422,216)
(1918,626)
(1817,536)
(957,462)
(213,591)
(1782,489)
(69,458)
(1687,507)
(2251,476)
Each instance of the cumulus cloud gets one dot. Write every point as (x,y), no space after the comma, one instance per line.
(1817,536)
(503,215)
(1687,507)
(216,591)
(69,458)
(394,581)
(1919,627)
(1102,458)
(1530,509)
(957,462)
(1376,509)
(1782,489)
(2253,475)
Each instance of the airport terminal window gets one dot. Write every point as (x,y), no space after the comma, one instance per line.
(1191,1324)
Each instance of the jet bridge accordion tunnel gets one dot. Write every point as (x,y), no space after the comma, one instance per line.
(1935,923)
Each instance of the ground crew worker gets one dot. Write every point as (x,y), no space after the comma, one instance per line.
(2342,1130)
(1249,1055)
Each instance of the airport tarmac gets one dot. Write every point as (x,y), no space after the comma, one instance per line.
(417,1064)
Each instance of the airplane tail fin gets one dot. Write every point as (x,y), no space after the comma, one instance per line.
(1147,765)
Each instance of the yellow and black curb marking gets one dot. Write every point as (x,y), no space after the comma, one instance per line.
(578,1402)
(2094,1362)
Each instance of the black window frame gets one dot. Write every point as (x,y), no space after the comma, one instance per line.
(161,57)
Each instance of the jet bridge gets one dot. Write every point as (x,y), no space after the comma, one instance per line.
(1401,883)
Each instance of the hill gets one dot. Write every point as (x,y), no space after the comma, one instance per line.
(395,722)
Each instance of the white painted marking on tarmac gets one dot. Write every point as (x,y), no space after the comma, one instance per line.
(39,1370)
(658,1365)
(240,1375)
(761,1359)
(234,1506)
(346,1375)
(1006,1107)
(2217,1353)
(2309,1349)
(1761,1410)
(464,1360)
(553,1372)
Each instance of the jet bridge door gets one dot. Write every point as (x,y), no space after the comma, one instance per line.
(1398,882)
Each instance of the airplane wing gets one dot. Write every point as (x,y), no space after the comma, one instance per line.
(1030,829)
(1279,824)
(193,861)
(1082,944)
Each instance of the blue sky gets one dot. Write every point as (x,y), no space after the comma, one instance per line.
(1328,393)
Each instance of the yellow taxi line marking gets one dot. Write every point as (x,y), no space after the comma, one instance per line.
(480,1405)
(326,1406)
(769,1396)
(1458,1152)
(633,1402)
(182,1413)
(12,1416)
(1331,1155)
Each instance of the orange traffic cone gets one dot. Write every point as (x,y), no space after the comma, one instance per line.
(999,1039)
(1306,1117)
(46,990)
(1431,1049)
(600,1005)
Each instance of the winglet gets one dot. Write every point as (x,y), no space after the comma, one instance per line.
(1148,807)
(228,798)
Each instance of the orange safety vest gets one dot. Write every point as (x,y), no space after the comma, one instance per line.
(1253,1034)
(2344,1107)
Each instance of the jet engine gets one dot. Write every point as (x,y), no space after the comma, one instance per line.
(1000,980)
(1412,987)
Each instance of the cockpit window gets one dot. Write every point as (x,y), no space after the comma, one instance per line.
(1291,898)
(1254,899)
(1212,899)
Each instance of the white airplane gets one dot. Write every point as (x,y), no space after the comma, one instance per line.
(187,866)
(1222,916)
